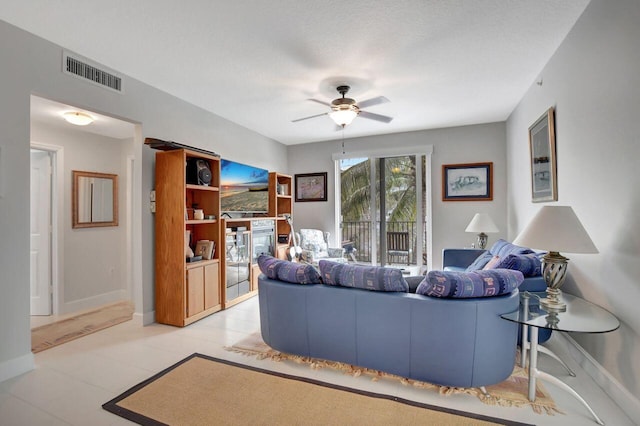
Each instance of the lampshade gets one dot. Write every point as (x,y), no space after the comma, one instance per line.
(556,228)
(343,117)
(482,222)
(78,118)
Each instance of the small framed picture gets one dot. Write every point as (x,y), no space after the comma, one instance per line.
(311,187)
(467,182)
(205,248)
(542,146)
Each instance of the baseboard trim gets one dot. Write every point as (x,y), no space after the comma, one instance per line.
(94,301)
(618,393)
(16,366)
(145,318)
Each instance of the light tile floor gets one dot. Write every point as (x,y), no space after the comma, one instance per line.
(72,381)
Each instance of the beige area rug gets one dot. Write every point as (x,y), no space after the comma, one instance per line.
(513,392)
(201,390)
(57,333)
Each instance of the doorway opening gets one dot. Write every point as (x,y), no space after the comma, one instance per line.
(74,271)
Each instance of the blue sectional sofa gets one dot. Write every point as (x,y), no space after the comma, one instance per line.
(459,342)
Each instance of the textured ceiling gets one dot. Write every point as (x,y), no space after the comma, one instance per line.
(440,63)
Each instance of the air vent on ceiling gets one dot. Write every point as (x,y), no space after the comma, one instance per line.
(77,66)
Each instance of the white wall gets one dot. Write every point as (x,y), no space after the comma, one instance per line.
(593,80)
(468,144)
(94,266)
(31,65)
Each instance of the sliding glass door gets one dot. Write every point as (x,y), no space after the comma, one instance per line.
(388,228)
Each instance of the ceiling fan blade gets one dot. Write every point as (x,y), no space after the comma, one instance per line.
(373,101)
(320,102)
(306,118)
(376,117)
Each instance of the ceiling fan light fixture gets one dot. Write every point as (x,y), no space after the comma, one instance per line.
(78,118)
(344,116)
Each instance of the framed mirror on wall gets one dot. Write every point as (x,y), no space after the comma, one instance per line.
(94,199)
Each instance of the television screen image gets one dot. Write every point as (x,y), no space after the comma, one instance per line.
(243,188)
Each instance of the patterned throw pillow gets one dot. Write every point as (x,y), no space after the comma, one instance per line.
(269,265)
(298,273)
(364,277)
(529,264)
(283,270)
(450,284)
(480,262)
(330,271)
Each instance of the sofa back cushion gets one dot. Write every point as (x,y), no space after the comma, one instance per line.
(364,277)
(283,270)
(483,283)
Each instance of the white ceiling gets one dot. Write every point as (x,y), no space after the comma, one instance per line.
(255,62)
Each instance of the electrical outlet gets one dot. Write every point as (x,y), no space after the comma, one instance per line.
(152,206)
(152,196)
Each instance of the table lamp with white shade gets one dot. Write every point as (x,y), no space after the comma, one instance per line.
(482,224)
(555,228)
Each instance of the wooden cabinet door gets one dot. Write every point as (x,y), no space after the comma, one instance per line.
(211,286)
(195,291)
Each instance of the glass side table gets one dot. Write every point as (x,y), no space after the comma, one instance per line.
(580,317)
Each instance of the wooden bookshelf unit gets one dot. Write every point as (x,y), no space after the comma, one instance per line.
(186,291)
(280,205)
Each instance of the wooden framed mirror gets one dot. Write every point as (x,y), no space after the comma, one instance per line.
(94,199)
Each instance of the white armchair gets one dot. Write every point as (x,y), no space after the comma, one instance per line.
(315,246)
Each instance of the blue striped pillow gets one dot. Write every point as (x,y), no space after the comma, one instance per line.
(529,264)
(504,248)
(480,262)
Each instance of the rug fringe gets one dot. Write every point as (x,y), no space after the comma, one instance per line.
(538,407)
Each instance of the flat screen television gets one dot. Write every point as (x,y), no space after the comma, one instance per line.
(243,188)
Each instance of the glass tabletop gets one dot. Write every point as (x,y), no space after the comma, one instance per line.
(581,316)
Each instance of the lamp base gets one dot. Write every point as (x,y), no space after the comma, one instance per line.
(482,240)
(552,302)
(554,270)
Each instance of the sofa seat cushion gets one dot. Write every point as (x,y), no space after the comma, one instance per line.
(364,277)
(483,283)
(283,270)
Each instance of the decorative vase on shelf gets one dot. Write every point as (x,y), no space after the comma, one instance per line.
(198,214)
(188,252)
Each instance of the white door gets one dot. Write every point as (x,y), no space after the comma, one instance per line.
(40,233)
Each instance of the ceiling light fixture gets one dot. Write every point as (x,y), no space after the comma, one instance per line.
(344,114)
(78,118)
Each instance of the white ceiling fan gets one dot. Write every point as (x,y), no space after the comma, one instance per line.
(344,110)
